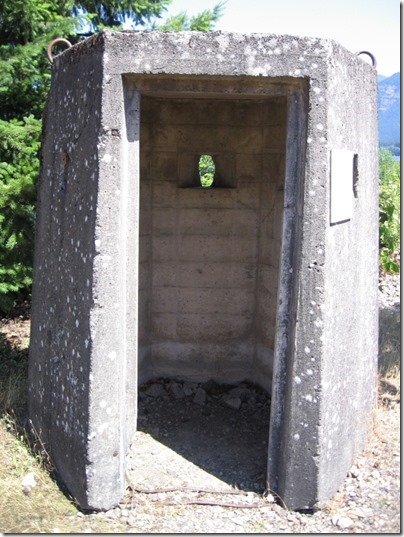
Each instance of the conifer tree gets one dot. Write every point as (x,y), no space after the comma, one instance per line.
(26,28)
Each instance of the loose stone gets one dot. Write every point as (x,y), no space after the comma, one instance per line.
(200,396)
(156,390)
(233,403)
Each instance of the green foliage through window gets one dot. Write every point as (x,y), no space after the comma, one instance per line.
(206,170)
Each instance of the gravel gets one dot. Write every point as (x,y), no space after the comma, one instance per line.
(389,290)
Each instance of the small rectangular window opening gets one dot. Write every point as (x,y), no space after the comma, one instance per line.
(206,170)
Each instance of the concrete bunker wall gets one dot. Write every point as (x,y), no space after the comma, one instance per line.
(209,257)
(127,117)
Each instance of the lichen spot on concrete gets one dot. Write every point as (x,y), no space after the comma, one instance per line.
(106,158)
(103,427)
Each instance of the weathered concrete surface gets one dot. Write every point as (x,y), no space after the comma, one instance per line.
(253,279)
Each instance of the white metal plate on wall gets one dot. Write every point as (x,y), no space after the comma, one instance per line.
(341,191)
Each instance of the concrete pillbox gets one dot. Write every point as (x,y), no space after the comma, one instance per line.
(269,275)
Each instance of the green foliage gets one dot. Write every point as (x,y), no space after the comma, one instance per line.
(206,170)
(202,22)
(24,21)
(113,13)
(389,186)
(26,29)
(19,164)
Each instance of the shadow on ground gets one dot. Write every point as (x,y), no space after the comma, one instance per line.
(182,442)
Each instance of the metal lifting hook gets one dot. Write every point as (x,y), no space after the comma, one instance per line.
(53,43)
(371,56)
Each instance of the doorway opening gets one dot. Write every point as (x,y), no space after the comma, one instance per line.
(209,258)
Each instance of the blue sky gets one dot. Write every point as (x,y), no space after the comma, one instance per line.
(372,25)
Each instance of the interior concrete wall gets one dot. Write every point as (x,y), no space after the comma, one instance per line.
(209,257)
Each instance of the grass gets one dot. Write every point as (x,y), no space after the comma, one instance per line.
(23,509)
(42,508)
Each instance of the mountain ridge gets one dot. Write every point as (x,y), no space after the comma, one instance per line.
(389,111)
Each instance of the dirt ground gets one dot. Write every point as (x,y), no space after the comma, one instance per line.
(219,440)
(199,467)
